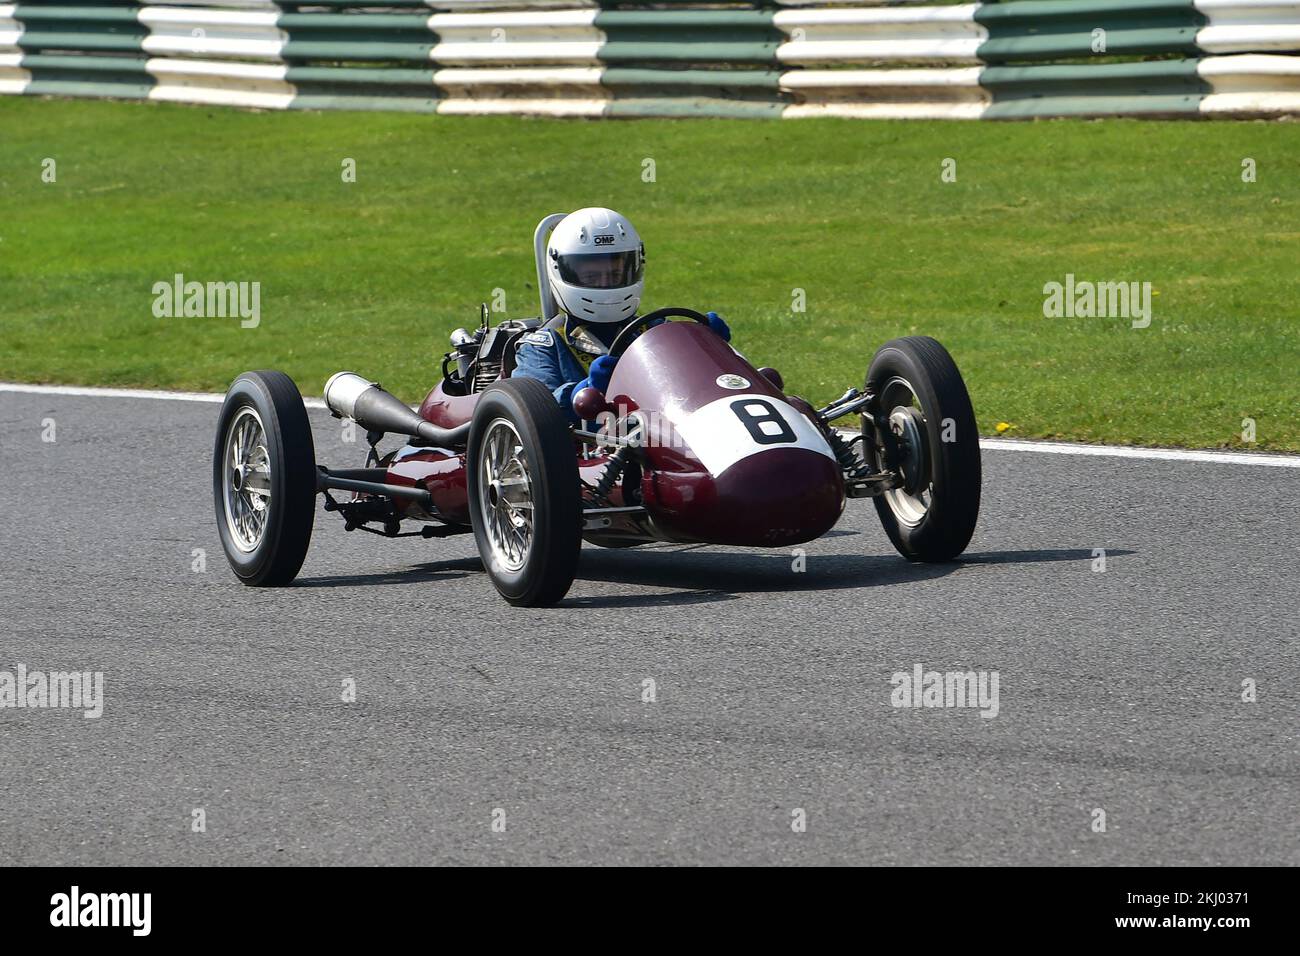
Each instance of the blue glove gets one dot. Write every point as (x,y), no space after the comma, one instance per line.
(601,371)
(598,378)
(718,326)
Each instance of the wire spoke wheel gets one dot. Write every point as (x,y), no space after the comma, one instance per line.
(264,478)
(505,492)
(524,492)
(247,479)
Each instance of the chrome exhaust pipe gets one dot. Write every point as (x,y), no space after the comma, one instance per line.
(348,395)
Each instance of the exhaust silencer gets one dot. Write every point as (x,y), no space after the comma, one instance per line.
(348,395)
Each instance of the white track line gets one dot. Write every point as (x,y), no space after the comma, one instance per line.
(78,391)
(989,444)
(1133,451)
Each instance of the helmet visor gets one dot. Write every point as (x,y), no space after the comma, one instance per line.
(601,270)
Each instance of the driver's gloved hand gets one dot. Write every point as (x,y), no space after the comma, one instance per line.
(601,371)
(598,378)
(717,324)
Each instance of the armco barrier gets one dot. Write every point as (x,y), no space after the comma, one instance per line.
(788,58)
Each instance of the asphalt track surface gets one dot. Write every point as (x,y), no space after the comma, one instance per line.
(1119,690)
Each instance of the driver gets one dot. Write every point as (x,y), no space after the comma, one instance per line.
(595,261)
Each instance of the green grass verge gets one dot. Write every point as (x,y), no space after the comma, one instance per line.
(373,275)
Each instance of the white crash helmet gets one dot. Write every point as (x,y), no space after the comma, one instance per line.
(595,261)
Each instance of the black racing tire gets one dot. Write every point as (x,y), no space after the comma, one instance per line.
(519,433)
(272,555)
(947,473)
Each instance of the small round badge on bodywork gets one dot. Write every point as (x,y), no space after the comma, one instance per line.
(733,381)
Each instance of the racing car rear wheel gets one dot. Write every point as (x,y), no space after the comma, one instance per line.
(264,478)
(523,492)
(931,515)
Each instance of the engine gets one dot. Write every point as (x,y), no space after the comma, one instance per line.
(478,358)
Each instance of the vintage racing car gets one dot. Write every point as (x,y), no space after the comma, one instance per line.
(690,443)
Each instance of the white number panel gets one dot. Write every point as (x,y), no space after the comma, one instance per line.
(730,429)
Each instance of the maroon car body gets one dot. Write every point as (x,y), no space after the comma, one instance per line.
(781,488)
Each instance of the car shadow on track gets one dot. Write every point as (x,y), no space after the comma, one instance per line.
(721,575)
(1042,556)
(429,571)
(740,572)
(678,598)
(699,575)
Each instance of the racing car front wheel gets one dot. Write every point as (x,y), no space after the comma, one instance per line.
(264,478)
(523,492)
(935,448)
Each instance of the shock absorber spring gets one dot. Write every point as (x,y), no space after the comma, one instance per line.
(619,459)
(613,469)
(854,468)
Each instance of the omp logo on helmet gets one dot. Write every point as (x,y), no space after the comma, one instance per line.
(605,240)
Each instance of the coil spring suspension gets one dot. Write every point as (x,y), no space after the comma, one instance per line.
(613,471)
(618,460)
(853,467)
